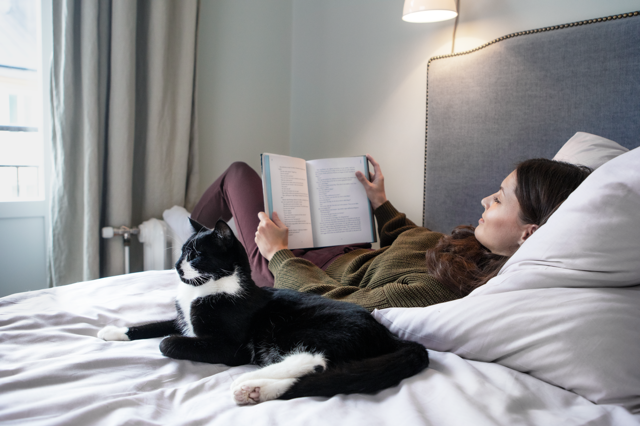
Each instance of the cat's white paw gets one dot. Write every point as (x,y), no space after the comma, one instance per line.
(260,390)
(272,381)
(112,332)
(246,395)
(291,367)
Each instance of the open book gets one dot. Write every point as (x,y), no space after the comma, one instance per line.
(321,201)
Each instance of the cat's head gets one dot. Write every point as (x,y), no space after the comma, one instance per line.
(211,254)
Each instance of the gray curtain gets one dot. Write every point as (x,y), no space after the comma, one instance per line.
(124,137)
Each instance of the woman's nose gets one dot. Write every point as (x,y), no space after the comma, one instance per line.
(486,202)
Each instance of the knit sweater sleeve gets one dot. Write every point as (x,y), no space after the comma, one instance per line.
(391,223)
(302,275)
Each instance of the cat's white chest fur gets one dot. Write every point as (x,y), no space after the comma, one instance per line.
(187,293)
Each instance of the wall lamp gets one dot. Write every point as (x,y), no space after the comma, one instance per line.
(429,10)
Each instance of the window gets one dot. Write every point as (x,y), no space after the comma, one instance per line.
(21,141)
(25,52)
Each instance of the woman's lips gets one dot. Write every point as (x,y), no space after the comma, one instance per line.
(480,221)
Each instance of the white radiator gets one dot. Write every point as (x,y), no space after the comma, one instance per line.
(161,248)
(159,245)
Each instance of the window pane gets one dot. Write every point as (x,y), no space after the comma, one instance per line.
(20,148)
(13,109)
(27,182)
(8,183)
(21,144)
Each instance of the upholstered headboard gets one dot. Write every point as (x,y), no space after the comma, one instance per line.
(523,96)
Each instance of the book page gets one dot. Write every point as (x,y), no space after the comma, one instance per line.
(284,182)
(340,210)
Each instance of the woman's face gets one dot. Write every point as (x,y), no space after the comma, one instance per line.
(500,229)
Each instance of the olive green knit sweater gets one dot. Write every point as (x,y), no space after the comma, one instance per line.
(396,275)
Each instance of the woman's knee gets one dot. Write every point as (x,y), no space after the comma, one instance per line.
(242,170)
(239,166)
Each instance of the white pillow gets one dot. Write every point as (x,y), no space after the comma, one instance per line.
(589,150)
(582,340)
(566,307)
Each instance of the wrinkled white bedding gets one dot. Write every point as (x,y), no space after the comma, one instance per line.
(54,371)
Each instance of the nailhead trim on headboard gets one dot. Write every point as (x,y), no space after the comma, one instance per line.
(539,30)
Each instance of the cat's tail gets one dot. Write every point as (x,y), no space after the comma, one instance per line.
(368,376)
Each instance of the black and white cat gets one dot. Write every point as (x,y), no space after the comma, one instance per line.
(307,345)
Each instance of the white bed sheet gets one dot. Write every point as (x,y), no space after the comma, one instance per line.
(54,371)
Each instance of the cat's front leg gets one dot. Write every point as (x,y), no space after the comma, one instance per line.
(146,331)
(209,350)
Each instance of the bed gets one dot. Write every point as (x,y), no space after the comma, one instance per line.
(553,339)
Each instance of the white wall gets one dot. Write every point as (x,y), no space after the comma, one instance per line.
(356,82)
(359,87)
(244,82)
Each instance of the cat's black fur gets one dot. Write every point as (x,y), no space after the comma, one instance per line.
(262,326)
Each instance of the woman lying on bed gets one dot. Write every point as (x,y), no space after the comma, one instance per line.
(414,266)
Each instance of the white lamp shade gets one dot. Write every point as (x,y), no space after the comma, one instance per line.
(429,10)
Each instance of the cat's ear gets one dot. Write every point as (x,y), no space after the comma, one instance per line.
(197,227)
(224,230)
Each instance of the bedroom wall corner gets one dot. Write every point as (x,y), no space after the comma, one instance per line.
(244,82)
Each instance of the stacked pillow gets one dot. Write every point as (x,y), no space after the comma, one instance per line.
(589,150)
(566,306)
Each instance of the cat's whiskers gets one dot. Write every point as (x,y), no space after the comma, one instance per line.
(202,279)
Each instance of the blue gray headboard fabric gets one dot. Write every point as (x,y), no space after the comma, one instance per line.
(523,96)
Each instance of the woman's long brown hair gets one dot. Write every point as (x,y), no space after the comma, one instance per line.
(463,264)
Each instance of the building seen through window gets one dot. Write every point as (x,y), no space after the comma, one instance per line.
(21,144)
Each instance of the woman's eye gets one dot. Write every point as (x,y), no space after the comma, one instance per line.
(495,200)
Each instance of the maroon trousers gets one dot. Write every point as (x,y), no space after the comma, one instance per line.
(237,193)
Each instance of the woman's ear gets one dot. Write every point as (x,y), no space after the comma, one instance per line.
(529,229)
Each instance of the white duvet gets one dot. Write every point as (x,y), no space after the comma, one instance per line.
(54,371)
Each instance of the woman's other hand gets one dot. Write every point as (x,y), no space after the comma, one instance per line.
(271,236)
(374,186)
